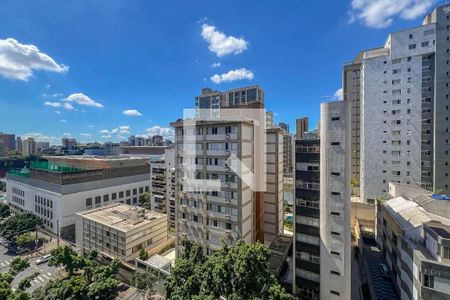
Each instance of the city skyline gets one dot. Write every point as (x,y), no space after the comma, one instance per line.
(71,83)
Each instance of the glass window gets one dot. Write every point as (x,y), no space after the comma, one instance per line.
(88,201)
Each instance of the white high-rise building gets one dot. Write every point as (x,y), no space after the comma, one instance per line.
(401,109)
(335,221)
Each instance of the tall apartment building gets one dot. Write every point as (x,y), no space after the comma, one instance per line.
(28,147)
(69,143)
(285,126)
(307,219)
(335,220)
(120,230)
(288,149)
(213,203)
(404,109)
(56,190)
(158,186)
(273,196)
(301,125)
(413,232)
(351,87)
(269,119)
(7,143)
(136,141)
(169,161)
(251,96)
(19,144)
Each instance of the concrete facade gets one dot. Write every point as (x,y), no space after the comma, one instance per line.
(335,211)
(273,196)
(120,230)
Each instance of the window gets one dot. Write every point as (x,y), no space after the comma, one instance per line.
(134,191)
(425,44)
(128,193)
(446,252)
(98,200)
(412,46)
(105,198)
(335,143)
(335,119)
(141,190)
(333,213)
(335,253)
(335,293)
(428,280)
(88,201)
(120,194)
(113,196)
(335,273)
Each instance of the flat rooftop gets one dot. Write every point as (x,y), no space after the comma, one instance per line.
(122,217)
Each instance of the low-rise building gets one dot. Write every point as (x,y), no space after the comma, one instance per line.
(120,230)
(59,188)
(413,232)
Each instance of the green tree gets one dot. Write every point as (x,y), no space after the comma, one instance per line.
(68,258)
(4,211)
(144,200)
(24,284)
(104,289)
(143,254)
(73,288)
(18,224)
(18,265)
(145,281)
(24,238)
(237,272)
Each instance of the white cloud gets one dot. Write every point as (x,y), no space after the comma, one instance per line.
(232,75)
(63,121)
(221,44)
(86,135)
(40,137)
(18,61)
(57,112)
(67,134)
(54,95)
(68,106)
(91,126)
(52,104)
(82,99)
(381,13)
(132,113)
(165,132)
(118,132)
(216,65)
(339,94)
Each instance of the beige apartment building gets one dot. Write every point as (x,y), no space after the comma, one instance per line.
(214,205)
(273,196)
(120,230)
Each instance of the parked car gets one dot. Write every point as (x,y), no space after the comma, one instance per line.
(21,250)
(43,259)
(384,270)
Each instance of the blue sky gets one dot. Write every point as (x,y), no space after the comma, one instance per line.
(103,70)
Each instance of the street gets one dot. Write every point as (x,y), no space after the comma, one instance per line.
(45,271)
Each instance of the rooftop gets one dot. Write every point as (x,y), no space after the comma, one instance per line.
(122,217)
